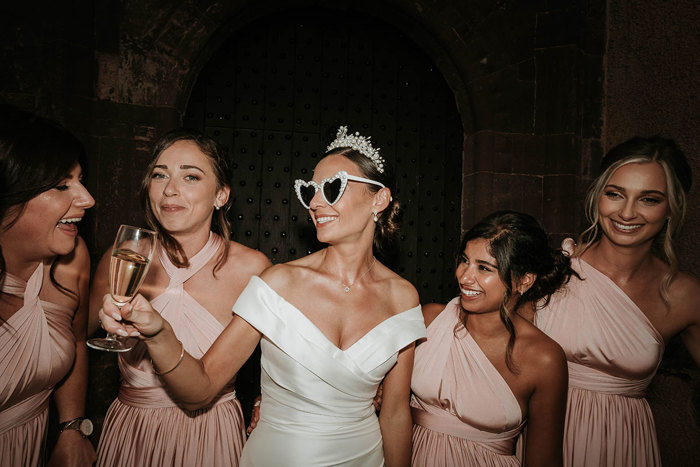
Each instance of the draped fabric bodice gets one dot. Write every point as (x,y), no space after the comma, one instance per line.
(144,426)
(37,349)
(193,324)
(611,346)
(457,390)
(613,352)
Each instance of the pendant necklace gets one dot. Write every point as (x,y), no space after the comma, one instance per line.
(346,287)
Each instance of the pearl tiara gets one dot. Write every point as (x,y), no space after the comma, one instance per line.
(358,143)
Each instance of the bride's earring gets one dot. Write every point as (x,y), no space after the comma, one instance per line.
(375,216)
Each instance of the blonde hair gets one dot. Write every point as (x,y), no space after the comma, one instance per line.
(678,180)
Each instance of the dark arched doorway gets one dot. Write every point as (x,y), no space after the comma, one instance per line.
(277,90)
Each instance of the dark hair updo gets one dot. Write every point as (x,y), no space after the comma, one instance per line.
(520,245)
(387,220)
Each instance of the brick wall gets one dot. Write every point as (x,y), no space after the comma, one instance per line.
(652,88)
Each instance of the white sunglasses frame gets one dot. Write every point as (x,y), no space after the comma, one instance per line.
(342,175)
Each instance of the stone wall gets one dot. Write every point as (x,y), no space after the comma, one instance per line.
(652,87)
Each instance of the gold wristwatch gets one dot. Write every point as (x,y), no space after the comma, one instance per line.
(81,424)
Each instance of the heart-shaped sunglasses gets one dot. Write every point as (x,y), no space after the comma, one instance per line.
(331,188)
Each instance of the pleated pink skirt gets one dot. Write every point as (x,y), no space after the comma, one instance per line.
(434,449)
(609,430)
(23,445)
(135,436)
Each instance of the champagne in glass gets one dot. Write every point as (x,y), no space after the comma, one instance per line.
(126,272)
(131,256)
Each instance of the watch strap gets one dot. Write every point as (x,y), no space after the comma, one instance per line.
(70,424)
(75,424)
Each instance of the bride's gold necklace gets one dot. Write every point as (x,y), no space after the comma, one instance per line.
(346,287)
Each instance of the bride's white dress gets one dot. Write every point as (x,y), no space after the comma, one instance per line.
(317,399)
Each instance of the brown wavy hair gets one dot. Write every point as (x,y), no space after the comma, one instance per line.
(220,222)
(388,221)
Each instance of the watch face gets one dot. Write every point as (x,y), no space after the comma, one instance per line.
(86,427)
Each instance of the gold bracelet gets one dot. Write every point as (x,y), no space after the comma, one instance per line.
(182,356)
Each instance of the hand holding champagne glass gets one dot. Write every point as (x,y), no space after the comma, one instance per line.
(131,256)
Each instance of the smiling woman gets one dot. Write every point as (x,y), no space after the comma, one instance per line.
(630,299)
(475,385)
(193,281)
(186,180)
(634,206)
(50,219)
(44,275)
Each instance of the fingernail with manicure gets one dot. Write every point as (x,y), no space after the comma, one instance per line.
(122,332)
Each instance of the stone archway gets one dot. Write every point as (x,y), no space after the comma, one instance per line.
(527,81)
(276,92)
(517,72)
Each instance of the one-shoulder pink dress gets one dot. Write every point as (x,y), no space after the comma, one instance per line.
(144,426)
(464,412)
(37,349)
(613,352)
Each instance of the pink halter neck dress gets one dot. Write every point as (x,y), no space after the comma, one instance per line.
(613,352)
(37,349)
(144,426)
(464,412)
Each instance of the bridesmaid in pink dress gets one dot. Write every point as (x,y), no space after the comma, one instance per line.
(44,275)
(194,280)
(614,321)
(484,372)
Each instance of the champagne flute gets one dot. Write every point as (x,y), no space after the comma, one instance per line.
(131,256)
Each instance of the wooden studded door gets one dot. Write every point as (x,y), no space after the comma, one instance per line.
(274,95)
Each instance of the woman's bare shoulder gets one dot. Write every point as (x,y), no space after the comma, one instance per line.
(254,262)
(684,292)
(538,349)
(277,272)
(431,311)
(283,275)
(684,286)
(402,294)
(251,256)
